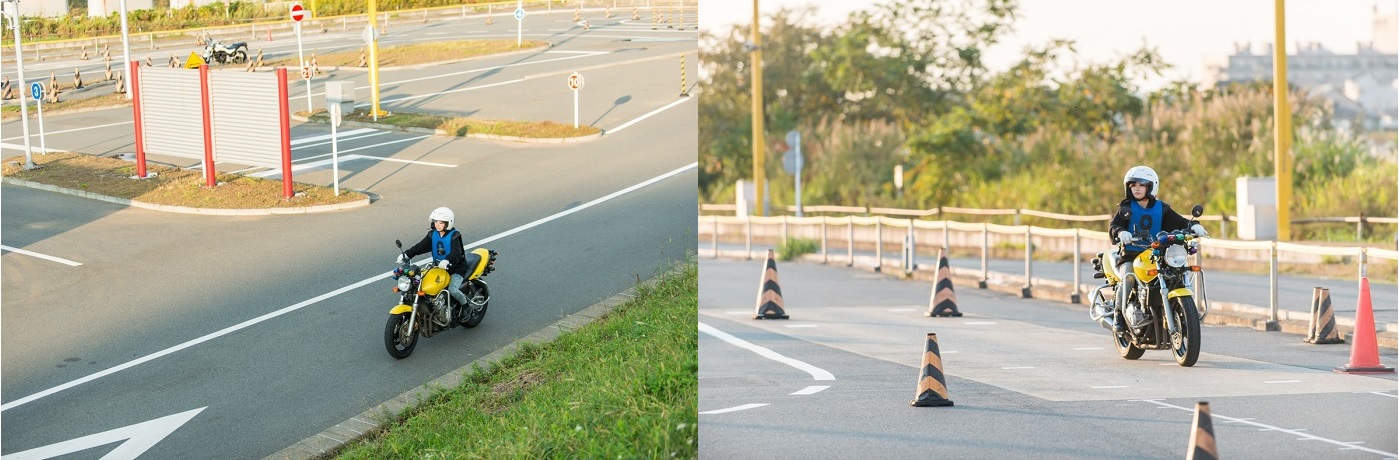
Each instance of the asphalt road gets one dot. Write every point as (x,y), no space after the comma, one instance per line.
(1029,379)
(261,331)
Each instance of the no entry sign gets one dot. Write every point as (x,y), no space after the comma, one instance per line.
(297,12)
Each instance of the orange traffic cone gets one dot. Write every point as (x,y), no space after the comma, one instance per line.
(1364,350)
(1202,438)
(932,385)
(944,300)
(769,293)
(1323,327)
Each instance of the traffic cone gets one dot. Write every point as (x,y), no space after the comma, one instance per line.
(769,293)
(944,300)
(932,385)
(1364,349)
(77,79)
(1202,438)
(1323,327)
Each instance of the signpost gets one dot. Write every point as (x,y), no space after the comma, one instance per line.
(575,82)
(792,162)
(297,14)
(519,23)
(334,145)
(11,9)
(37,90)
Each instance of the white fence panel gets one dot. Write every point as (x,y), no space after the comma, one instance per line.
(173,119)
(246,118)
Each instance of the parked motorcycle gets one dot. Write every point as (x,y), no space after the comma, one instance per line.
(217,52)
(425,305)
(1162,313)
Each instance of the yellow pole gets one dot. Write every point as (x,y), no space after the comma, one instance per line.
(1282,141)
(374,61)
(759,179)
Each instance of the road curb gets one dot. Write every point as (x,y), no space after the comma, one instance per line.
(327,442)
(1221,313)
(186,209)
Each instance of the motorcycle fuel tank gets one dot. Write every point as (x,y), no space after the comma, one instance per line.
(435,280)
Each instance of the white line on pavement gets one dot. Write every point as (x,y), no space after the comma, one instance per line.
(647,115)
(35,134)
(419,96)
(732,409)
(816,372)
(319,298)
(41,256)
(341,135)
(33,147)
(811,390)
(1345,445)
(1385,394)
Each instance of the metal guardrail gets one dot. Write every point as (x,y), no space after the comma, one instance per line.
(872,231)
(1223,219)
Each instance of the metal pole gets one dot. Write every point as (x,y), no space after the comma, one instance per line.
(985,247)
(850,240)
(304,74)
(373,17)
(748,238)
(1028,256)
(878,244)
(1075,296)
(912,247)
(334,145)
(1282,113)
(1273,282)
(825,255)
(126,46)
(714,238)
(759,175)
(19,64)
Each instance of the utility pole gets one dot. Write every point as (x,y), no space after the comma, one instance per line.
(1282,116)
(759,179)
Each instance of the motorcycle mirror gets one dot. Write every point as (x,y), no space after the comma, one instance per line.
(398,243)
(1197,210)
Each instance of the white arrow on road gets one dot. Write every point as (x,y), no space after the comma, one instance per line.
(139,438)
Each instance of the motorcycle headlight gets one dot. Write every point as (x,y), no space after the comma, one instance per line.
(404,284)
(1175,256)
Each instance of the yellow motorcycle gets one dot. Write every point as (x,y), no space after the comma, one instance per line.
(426,307)
(1161,313)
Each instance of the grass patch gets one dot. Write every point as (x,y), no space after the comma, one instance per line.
(419,53)
(796,247)
(169,186)
(624,386)
(459,126)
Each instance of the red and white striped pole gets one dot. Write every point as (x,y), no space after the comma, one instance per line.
(286,131)
(131,70)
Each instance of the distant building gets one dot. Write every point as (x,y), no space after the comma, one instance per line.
(1363,86)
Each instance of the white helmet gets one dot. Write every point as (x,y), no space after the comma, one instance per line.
(1141,174)
(443,214)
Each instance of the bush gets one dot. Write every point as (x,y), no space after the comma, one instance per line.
(795,247)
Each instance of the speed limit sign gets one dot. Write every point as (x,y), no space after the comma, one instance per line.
(575,81)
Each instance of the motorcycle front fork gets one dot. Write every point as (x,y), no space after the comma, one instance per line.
(1144,290)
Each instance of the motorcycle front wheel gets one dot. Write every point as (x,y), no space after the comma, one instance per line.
(240,57)
(397,339)
(1185,345)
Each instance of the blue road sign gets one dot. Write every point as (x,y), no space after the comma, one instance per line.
(519,14)
(36,90)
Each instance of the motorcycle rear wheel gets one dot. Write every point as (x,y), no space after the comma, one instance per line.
(1121,340)
(399,346)
(240,57)
(1186,345)
(477,315)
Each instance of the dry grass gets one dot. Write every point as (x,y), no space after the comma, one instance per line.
(458,126)
(169,186)
(11,112)
(419,53)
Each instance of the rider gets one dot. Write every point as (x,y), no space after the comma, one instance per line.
(444,242)
(1141,215)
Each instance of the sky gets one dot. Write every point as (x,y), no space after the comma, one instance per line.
(1189,34)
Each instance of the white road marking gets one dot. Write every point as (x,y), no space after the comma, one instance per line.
(418,96)
(137,439)
(341,135)
(319,298)
(278,172)
(1385,394)
(647,115)
(1344,445)
(733,409)
(46,133)
(33,146)
(1282,381)
(802,325)
(811,390)
(816,372)
(41,256)
(343,159)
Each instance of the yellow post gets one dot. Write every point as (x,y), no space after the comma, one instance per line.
(759,175)
(374,61)
(1282,115)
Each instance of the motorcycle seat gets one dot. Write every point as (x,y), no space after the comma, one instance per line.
(472,260)
(1111,259)
(234,46)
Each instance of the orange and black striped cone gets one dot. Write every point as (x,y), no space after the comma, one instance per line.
(944,300)
(769,293)
(932,385)
(1323,326)
(1202,438)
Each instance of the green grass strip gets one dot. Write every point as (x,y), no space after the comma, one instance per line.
(624,386)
